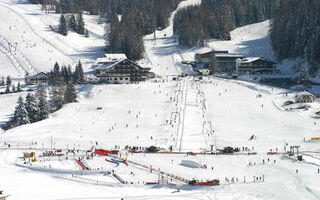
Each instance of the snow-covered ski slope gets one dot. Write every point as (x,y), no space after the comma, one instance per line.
(231,106)
(131,114)
(164,52)
(164,113)
(166,55)
(250,41)
(26,28)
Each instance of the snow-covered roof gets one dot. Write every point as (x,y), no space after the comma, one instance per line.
(110,58)
(249,59)
(252,59)
(109,65)
(228,55)
(218,53)
(115,56)
(304,93)
(203,50)
(37,74)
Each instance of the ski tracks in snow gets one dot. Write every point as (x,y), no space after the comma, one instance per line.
(10,7)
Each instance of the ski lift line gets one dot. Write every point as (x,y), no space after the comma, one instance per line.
(10,59)
(28,24)
(18,55)
(185,89)
(13,59)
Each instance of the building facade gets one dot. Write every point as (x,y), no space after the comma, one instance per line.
(226,62)
(40,78)
(204,58)
(222,61)
(304,97)
(109,59)
(123,72)
(256,65)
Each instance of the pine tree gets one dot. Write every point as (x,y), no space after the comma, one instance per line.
(63,26)
(13,88)
(9,81)
(32,108)
(51,77)
(20,115)
(41,96)
(73,23)
(80,73)
(2,82)
(57,75)
(58,9)
(69,74)
(80,24)
(64,74)
(75,76)
(304,78)
(7,89)
(70,94)
(86,33)
(78,77)
(19,87)
(57,98)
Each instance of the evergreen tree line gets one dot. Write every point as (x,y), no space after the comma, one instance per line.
(139,17)
(64,75)
(303,79)
(216,18)
(37,107)
(8,84)
(34,108)
(70,6)
(62,82)
(73,23)
(295,31)
(93,7)
(157,11)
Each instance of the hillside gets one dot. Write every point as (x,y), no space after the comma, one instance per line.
(26,27)
(190,119)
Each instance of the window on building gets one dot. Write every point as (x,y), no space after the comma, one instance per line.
(121,79)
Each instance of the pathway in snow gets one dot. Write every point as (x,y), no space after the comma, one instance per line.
(17,58)
(191,136)
(164,52)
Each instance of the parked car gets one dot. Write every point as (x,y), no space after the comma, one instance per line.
(288,103)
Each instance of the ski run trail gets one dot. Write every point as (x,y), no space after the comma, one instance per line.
(187,114)
(163,53)
(31,46)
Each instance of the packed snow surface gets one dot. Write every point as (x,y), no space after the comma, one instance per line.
(185,114)
(25,28)
(235,111)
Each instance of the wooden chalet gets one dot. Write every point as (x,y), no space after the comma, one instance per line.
(304,97)
(204,57)
(40,78)
(256,65)
(123,71)
(109,59)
